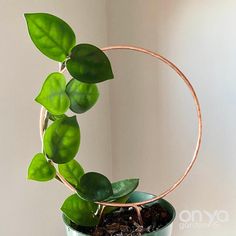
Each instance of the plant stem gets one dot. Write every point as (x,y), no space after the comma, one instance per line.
(137,208)
(64,181)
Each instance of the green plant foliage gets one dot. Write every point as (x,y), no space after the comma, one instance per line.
(51,35)
(121,191)
(80,211)
(123,188)
(95,187)
(72,172)
(82,95)
(108,210)
(89,64)
(40,170)
(56,117)
(53,96)
(62,139)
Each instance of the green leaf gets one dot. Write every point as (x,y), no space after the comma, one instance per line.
(89,64)
(40,169)
(55,117)
(123,188)
(53,96)
(121,191)
(51,35)
(80,212)
(72,172)
(119,200)
(62,139)
(82,96)
(95,187)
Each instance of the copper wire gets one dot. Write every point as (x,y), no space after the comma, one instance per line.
(199,118)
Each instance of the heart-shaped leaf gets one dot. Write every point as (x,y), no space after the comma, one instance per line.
(72,172)
(40,170)
(51,35)
(94,187)
(53,96)
(123,188)
(82,95)
(62,139)
(89,64)
(80,212)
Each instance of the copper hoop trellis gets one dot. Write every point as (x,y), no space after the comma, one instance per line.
(43,119)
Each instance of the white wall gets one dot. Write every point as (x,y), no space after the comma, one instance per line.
(153,119)
(30,208)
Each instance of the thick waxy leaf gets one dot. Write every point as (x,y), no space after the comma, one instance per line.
(89,64)
(82,95)
(56,117)
(119,200)
(53,96)
(51,35)
(121,191)
(72,172)
(40,169)
(79,211)
(95,187)
(123,188)
(61,140)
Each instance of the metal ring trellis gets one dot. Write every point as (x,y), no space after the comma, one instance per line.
(43,121)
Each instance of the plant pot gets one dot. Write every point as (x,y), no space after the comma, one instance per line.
(136,197)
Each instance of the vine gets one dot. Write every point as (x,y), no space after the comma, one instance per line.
(87,65)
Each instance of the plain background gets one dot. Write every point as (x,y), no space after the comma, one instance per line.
(144,124)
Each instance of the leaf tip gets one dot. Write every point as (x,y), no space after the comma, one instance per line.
(29,177)
(112,75)
(36,99)
(28,15)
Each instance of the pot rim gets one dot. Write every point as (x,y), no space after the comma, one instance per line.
(173,215)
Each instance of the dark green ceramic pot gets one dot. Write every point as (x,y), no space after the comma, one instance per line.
(136,197)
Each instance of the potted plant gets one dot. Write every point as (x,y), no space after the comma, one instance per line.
(95,207)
